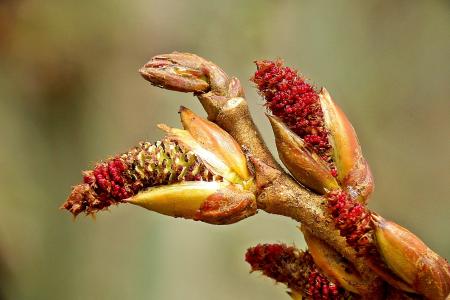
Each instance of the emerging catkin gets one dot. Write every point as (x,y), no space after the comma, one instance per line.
(120,177)
(295,268)
(353,220)
(289,97)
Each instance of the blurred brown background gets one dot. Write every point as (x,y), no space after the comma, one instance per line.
(71,95)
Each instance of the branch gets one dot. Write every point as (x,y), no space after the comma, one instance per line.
(277,192)
(202,173)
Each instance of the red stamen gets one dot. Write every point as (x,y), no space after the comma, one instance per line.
(291,98)
(353,221)
(295,268)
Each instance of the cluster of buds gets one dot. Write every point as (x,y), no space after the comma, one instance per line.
(198,173)
(296,269)
(319,146)
(201,173)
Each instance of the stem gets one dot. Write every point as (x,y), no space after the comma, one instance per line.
(277,192)
(222,98)
(280,194)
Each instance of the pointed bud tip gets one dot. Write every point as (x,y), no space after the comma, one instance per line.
(352,169)
(274,120)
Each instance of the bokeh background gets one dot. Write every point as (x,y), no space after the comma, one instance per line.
(70,95)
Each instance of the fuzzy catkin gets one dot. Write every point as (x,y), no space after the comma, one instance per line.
(352,219)
(120,177)
(296,103)
(295,268)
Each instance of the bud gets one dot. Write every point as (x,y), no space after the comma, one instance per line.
(296,269)
(318,122)
(176,72)
(183,72)
(212,159)
(210,202)
(289,97)
(308,168)
(334,265)
(409,258)
(215,139)
(202,177)
(352,169)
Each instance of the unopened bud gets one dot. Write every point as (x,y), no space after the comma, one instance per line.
(176,71)
(409,258)
(184,72)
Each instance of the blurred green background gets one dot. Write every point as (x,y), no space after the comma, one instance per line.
(71,95)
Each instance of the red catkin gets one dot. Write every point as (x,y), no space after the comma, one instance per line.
(352,220)
(295,268)
(289,97)
(320,287)
(120,177)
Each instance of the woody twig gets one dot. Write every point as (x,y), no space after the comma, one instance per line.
(202,173)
